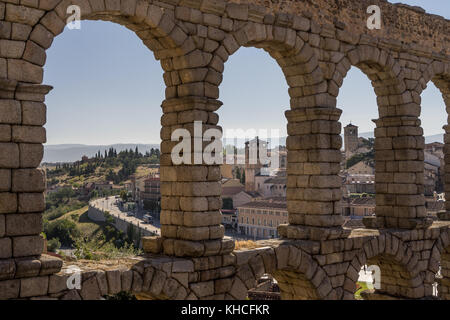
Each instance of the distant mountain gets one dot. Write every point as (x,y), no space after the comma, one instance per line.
(435,138)
(73,152)
(366,135)
(428,139)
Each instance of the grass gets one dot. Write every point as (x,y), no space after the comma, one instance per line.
(87,227)
(245,244)
(362,286)
(143,171)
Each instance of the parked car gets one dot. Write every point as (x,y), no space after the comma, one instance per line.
(147,218)
(130,214)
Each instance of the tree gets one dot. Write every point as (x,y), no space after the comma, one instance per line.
(53,245)
(238,174)
(64,230)
(243,178)
(124,195)
(227,203)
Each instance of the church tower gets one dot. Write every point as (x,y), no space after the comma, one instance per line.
(252,169)
(350,140)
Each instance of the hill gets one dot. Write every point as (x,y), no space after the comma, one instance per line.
(73,152)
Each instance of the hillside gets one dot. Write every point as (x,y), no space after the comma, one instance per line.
(73,152)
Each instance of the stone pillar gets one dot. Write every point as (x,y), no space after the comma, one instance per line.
(446,175)
(191,223)
(313,185)
(22,116)
(399,176)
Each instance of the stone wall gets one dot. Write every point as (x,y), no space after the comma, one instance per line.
(315,44)
(120,223)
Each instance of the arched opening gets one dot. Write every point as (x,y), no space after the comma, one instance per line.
(254,95)
(102,153)
(442,278)
(390,270)
(433,120)
(359,107)
(436,159)
(398,141)
(285,272)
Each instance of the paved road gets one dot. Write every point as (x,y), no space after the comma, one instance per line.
(110,205)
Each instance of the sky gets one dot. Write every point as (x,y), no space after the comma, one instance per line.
(108,88)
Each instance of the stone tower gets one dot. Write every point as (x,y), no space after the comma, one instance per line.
(252,167)
(350,140)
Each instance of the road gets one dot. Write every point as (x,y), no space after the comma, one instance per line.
(109,204)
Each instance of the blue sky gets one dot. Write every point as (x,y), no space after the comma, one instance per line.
(108,89)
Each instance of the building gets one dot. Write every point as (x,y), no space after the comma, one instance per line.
(350,140)
(354,144)
(260,218)
(229,218)
(230,188)
(152,191)
(245,196)
(252,162)
(359,183)
(273,187)
(362,167)
(358,207)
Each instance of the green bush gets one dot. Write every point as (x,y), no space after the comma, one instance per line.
(53,245)
(64,230)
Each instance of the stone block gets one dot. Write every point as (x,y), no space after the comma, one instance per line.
(23,224)
(8,202)
(27,246)
(11,49)
(5,247)
(29,134)
(28,180)
(24,71)
(183,248)
(203,289)
(34,53)
(31,287)
(9,155)
(9,289)
(152,244)
(114,281)
(33,113)
(5,131)
(5,180)
(57,283)
(49,264)
(31,202)
(89,289)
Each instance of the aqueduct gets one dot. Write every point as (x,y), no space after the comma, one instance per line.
(315,43)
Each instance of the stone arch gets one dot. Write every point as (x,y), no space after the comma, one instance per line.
(399,139)
(439,262)
(401,273)
(296,58)
(298,275)
(166,37)
(439,73)
(378,65)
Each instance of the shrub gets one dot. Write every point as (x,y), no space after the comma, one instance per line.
(64,230)
(53,245)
